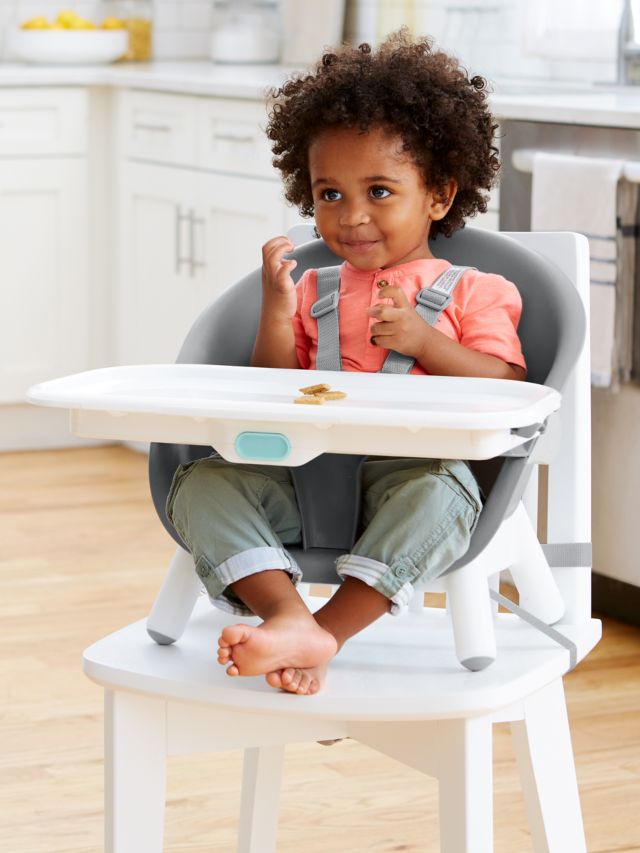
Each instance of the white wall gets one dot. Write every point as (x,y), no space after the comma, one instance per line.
(563,39)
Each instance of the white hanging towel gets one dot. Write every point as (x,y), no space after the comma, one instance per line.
(585,194)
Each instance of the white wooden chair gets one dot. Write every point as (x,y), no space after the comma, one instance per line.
(429,713)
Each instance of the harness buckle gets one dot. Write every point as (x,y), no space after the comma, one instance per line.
(432,298)
(325,304)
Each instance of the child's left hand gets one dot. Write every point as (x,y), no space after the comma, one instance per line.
(399,326)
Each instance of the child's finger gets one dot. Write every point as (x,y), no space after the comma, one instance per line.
(396,294)
(384,312)
(274,251)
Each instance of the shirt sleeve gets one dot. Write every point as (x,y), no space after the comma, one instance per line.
(490,320)
(303,342)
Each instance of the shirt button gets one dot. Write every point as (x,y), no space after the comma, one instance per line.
(401,571)
(383,282)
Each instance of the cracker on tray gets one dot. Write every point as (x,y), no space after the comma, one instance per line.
(315,389)
(332,395)
(310,400)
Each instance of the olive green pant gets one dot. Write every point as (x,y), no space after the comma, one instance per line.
(417,518)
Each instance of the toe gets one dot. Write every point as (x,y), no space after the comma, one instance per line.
(274,679)
(233,670)
(303,684)
(286,676)
(233,634)
(294,682)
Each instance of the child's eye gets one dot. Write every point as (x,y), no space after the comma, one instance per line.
(379,192)
(331,195)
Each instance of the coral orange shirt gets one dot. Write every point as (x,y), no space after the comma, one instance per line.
(483,314)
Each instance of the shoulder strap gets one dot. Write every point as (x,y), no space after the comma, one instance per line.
(325,311)
(430,303)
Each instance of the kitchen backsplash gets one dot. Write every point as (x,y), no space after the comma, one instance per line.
(181,27)
(493,37)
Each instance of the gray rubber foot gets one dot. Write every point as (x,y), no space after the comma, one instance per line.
(476,664)
(160,639)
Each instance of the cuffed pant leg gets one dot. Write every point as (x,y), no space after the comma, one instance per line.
(234,519)
(419,517)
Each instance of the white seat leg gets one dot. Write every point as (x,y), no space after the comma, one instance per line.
(543,749)
(135,772)
(175,601)
(261,782)
(539,593)
(466,785)
(469,604)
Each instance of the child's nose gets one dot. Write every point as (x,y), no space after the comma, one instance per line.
(352,215)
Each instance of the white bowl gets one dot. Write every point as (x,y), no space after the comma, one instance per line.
(67,47)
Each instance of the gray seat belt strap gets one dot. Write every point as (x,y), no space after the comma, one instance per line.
(325,311)
(430,303)
(540,625)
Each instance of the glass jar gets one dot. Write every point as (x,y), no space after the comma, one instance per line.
(135,16)
(245,31)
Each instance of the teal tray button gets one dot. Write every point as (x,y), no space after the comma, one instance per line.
(265,446)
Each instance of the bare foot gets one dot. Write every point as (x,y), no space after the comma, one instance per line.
(304,682)
(280,643)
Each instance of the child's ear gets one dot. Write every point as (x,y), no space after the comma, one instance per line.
(442,199)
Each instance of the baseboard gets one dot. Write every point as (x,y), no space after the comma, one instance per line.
(614,598)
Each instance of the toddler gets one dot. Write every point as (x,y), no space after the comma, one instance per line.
(386,149)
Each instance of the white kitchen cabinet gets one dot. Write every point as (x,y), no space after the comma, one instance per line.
(43,238)
(194,212)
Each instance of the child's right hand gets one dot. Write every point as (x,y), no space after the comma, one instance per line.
(278,289)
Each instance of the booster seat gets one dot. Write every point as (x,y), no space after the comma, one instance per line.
(552,332)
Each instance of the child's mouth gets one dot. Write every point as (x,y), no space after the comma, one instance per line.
(360,245)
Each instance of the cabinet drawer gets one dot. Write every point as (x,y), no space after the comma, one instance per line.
(157,127)
(231,138)
(43,121)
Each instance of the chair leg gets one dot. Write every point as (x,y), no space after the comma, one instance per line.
(470,607)
(466,786)
(135,772)
(538,591)
(259,803)
(175,601)
(542,743)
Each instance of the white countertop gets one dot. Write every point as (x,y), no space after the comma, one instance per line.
(534,100)
(192,78)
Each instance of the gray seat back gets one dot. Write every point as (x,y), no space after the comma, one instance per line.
(552,332)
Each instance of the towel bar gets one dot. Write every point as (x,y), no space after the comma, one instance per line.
(522,160)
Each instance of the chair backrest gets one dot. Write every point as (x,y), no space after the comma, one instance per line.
(552,331)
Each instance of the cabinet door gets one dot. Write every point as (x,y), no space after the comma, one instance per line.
(157,285)
(43,293)
(238,215)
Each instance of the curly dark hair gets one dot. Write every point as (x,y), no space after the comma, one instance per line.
(420,94)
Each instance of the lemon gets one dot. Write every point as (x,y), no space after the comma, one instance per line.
(113,24)
(36,24)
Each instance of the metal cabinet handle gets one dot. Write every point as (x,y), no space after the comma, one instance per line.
(160,128)
(233,137)
(194,263)
(179,219)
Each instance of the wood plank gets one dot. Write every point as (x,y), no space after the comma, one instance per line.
(82,553)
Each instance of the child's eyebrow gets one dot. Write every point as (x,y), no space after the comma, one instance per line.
(369,179)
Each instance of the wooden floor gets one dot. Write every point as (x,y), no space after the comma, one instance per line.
(82,553)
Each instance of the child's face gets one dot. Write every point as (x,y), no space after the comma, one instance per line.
(371,204)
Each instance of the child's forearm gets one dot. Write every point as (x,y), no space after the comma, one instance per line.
(275,344)
(442,356)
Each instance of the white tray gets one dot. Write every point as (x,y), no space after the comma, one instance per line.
(248,413)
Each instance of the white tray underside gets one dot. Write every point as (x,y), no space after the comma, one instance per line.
(427,416)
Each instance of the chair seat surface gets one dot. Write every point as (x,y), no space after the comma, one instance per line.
(400,668)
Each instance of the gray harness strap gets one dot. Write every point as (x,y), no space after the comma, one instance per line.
(430,303)
(325,312)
